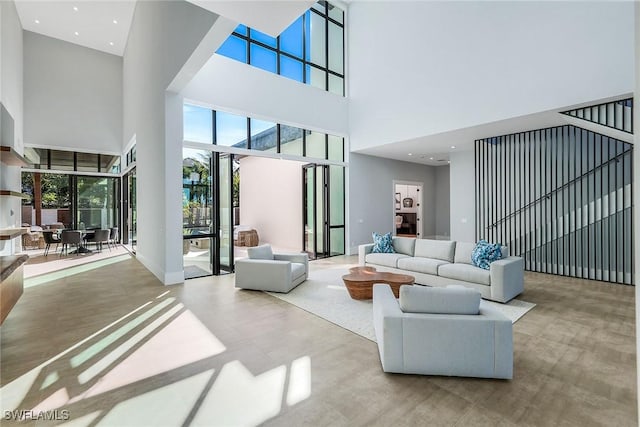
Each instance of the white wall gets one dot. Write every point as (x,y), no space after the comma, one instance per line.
(163,37)
(11,85)
(462,196)
(72,96)
(232,86)
(441,204)
(421,68)
(371,195)
(271,200)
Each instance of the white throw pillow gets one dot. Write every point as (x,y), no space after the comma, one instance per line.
(463,253)
(451,300)
(260,252)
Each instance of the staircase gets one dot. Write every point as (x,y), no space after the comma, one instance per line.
(561,198)
(615,114)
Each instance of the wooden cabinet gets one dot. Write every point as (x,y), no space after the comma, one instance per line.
(11,282)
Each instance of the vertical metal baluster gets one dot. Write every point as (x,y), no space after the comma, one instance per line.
(579,151)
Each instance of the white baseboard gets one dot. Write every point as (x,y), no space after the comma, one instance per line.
(167,278)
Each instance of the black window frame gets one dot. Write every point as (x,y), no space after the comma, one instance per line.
(305,77)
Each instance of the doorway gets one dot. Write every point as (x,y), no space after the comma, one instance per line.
(323,210)
(207,213)
(407,208)
(130,216)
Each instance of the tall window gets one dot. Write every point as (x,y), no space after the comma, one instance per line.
(310,50)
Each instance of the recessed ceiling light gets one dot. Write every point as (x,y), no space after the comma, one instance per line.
(111,43)
(430,158)
(115,21)
(453,147)
(75,8)
(76,33)
(37,21)
(410,154)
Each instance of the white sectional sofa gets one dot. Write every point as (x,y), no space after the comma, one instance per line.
(445,262)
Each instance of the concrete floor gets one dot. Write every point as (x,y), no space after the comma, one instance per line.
(112,346)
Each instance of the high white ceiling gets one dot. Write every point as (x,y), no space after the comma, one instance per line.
(270,17)
(101,25)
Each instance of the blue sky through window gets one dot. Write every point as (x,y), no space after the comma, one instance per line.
(264,58)
(291,68)
(235,48)
(230,129)
(291,39)
(197,124)
(263,38)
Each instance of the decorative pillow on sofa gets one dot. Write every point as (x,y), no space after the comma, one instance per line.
(485,253)
(382,244)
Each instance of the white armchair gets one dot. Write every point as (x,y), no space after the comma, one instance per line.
(429,331)
(266,271)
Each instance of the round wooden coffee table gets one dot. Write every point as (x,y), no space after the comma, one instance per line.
(360,281)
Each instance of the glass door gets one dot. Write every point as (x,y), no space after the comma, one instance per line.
(224,191)
(198,230)
(207,213)
(323,213)
(129,233)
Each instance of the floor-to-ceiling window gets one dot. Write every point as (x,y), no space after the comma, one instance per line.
(78,190)
(96,202)
(310,50)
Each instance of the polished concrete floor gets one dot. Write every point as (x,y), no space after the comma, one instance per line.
(112,346)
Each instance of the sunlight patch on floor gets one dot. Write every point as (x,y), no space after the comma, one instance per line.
(238,398)
(55,400)
(13,393)
(123,348)
(71,271)
(169,405)
(117,334)
(183,341)
(299,381)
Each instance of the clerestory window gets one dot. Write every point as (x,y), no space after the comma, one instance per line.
(310,50)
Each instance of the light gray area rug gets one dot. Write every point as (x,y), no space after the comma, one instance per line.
(325,295)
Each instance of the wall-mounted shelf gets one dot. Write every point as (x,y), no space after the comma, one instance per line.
(12,233)
(10,157)
(14,194)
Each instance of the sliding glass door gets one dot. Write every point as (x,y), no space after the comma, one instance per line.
(323,210)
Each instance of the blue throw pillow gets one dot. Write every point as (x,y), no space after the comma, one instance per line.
(382,244)
(485,253)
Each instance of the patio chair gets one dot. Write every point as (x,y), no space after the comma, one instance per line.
(113,237)
(70,237)
(50,237)
(99,237)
